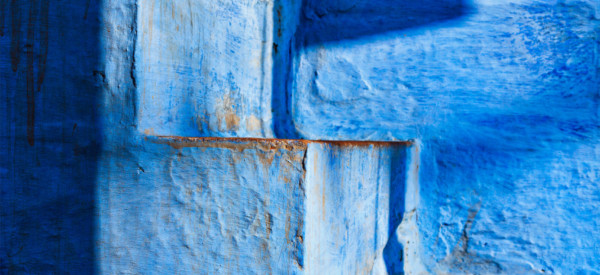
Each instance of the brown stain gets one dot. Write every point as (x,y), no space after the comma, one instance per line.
(179,142)
(239,144)
(232,121)
(30,77)
(299,231)
(87,9)
(463,260)
(268,224)
(227,112)
(464,239)
(266,256)
(15,33)
(150,17)
(2,15)
(267,157)
(44,25)
(279,31)
(288,225)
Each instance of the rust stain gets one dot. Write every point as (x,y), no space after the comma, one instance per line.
(239,144)
(149,131)
(264,247)
(2,16)
(232,121)
(30,78)
(44,42)
(299,231)
(268,224)
(226,111)
(279,31)
(287,225)
(180,142)
(15,34)
(150,17)
(267,157)
(87,9)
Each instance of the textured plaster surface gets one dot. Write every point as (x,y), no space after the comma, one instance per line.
(204,67)
(355,201)
(503,97)
(188,207)
(250,206)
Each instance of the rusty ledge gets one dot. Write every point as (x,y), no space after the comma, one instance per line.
(178,141)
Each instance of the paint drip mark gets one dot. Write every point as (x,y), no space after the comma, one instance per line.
(30,78)
(15,34)
(87,8)
(43,43)
(2,16)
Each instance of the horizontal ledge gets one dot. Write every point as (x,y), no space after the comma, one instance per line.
(180,142)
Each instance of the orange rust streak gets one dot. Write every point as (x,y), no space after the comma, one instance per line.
(180,142)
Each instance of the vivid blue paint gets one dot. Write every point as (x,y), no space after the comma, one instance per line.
(503,96)
(50,142)
(505,100)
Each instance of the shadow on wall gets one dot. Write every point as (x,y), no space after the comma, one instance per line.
(50,87)
(324,22)
(393,251)
(338,20)
(327,22)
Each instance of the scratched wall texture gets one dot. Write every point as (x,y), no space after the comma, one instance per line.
(502,98)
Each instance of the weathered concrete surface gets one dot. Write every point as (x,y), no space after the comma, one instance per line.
(251,206)
(204,68)
(504,96)
(194,206)
(355,201)
(214,68)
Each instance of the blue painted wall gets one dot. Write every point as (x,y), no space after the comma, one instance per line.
(502,96)
(50,142)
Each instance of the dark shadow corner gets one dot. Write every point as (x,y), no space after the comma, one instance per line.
(50,70)
(337,20)
(393,251)
(323,22)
